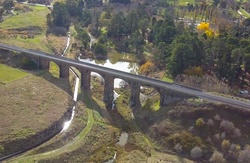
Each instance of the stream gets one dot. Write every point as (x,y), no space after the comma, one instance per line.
(67,123)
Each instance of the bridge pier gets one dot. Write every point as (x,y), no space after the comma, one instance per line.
(108,96)
(167,97)
(85,79)
(43,63)
(64,70)
(135,94)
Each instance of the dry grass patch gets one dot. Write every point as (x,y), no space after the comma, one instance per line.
(30,105)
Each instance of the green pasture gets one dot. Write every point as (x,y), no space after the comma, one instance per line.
(8,74)
(36,17)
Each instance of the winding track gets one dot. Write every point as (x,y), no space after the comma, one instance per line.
(132,77)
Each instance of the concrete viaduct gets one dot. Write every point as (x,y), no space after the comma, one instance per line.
(168,92)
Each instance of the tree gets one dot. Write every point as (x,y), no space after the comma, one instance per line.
(84,37)
(120,1)
(85,18)
(164,30)
(8,4)
(217,157)
(244,156)
(100,51)
(73,7)
(117,26)
(180,59)
(160,55)
(143,24)
(60,15)
(196,152)
(136,41)
(132,23)
(225,145)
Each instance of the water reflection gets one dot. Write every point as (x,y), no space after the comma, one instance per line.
(130,67)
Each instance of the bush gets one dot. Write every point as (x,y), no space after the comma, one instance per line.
(1,149)
(225,145)
(210,122)
(236,132)
(196,152)
(178,148)
(199,122)
(146,67)
(100,51)
(217,117)
(244,156)
(227,126)
(217,157)
(58,31)
(186,139)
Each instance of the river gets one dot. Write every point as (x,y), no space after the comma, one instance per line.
(120,65)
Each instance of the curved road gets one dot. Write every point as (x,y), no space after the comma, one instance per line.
(132,77)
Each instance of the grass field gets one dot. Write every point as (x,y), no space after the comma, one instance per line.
(32,21)
(37,17)
(8,74)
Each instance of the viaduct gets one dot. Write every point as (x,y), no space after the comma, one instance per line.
(168,92)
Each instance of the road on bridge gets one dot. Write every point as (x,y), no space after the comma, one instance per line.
(132,77)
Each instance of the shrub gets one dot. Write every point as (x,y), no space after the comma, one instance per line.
(146,67)
(217,117)
(210,122)
(235,147)
(223,135)
(217,136)
(225,145)
(237,132)
(217,157)
(1,149)
(227,125)
(178,148)
(199,122)
(196,152)
(100,51)
(186,139)
(244,156)
(194,71)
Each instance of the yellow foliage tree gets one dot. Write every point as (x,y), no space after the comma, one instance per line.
(203,26)
(146,67)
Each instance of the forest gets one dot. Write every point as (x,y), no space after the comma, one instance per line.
(195,39)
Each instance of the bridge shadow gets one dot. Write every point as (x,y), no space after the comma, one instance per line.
(62,83)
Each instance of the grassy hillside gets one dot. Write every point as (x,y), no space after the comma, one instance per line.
(8,74)
(27,28)
(30,105)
